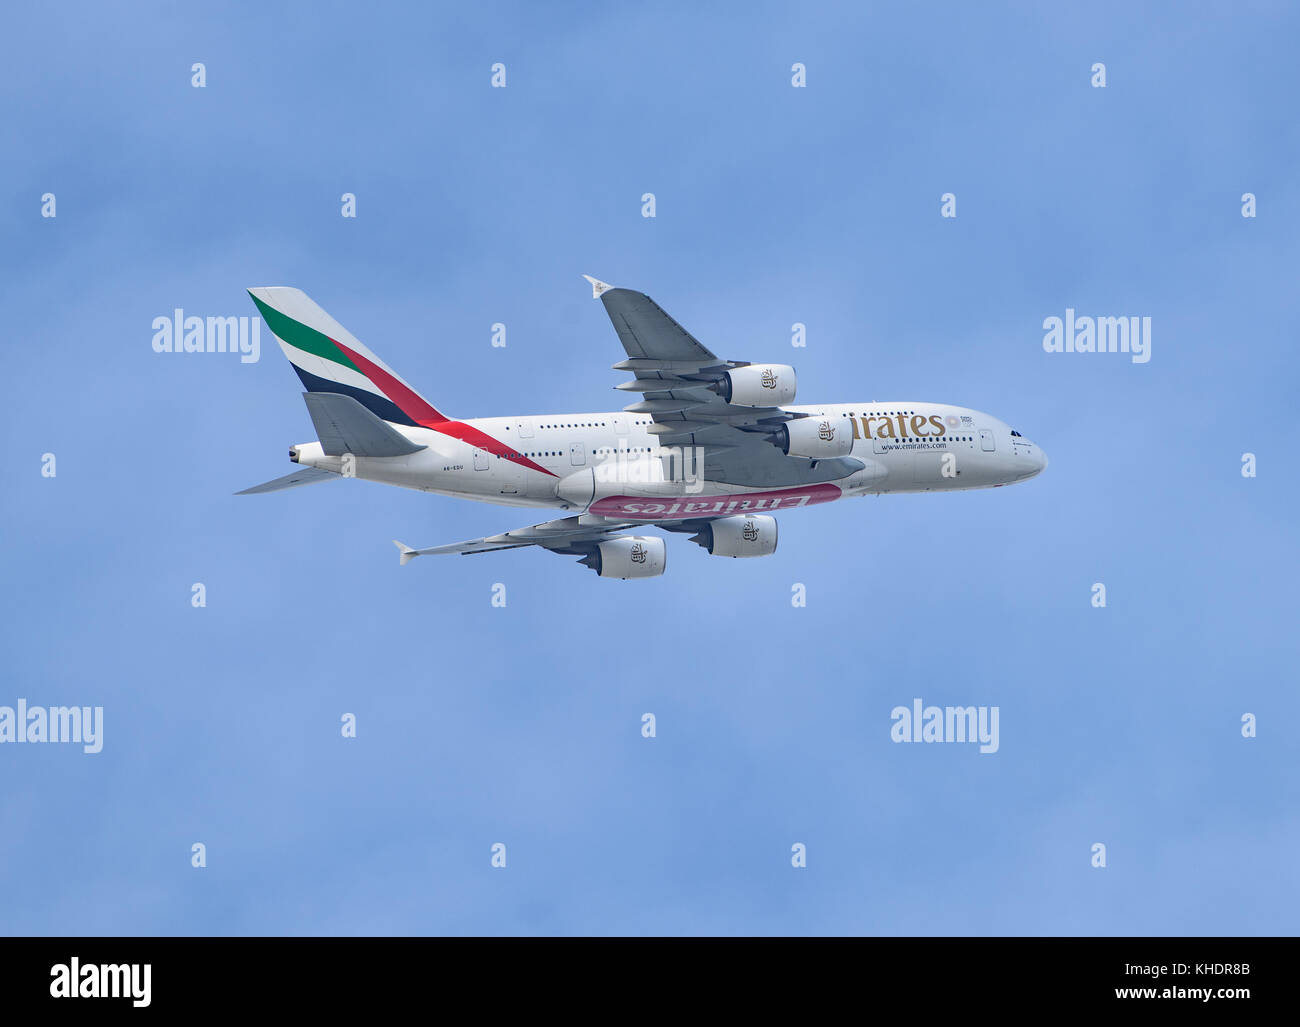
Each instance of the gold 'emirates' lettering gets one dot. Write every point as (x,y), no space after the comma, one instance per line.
(885,430)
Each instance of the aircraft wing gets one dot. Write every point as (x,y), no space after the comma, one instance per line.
(679,380)
(652,339)
(568,535)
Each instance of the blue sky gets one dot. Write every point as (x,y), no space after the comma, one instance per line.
(521,725)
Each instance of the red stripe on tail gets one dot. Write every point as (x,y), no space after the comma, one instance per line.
(427,417)
(412,405)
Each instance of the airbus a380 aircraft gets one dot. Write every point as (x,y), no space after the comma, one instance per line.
(713,449)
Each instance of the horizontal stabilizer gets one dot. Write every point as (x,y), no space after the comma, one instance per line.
(305,476)
(344,426)
(408,554)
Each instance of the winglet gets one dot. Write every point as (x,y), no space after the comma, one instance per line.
(408,554)
(597,287)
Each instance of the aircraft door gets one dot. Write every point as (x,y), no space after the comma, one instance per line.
(510,477)
(987,442)
(927,468)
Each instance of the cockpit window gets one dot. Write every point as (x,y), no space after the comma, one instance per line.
(1016,434)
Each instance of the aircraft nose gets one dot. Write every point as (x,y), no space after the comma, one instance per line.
(1039,459)
(1029,460)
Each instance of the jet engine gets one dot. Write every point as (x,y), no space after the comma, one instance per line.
(818,438)
(629,556)
(741,535)
(759,385)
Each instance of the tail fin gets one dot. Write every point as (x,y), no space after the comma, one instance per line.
(408,554)
(328,358)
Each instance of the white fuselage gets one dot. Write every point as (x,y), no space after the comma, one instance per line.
(597,463)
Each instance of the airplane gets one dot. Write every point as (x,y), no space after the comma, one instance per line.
(713,449)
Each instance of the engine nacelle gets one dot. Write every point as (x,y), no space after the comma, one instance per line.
(630,556)
(759,385)
(739,536)
(818,438)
